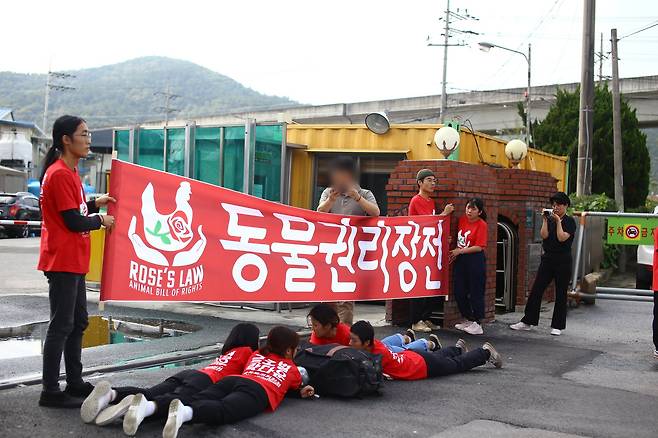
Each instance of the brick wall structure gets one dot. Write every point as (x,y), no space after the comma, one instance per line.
(511,195)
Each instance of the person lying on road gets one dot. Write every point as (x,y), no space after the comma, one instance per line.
(135,404)
(327,329)
(269,375)
(412,365)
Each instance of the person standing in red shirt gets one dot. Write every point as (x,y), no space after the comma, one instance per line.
(422,204)
(416,365)
(64,259)
(469,267)
(655,293)
(268,376)
(326,326)
(138,403)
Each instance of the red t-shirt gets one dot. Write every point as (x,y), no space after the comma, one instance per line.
(342,336)
(655,261)
(471,233)
(228,364)
(62,250)
(275,374)
(419,206)
(406,365)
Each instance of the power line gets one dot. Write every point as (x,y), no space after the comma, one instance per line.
(638,31)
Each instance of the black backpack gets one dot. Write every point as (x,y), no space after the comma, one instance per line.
(337,370)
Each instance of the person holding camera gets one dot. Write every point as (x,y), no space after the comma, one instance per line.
(347,198)
(557,231)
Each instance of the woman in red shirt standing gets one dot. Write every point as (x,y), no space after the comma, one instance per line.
(469,267)
(138,403)
(64,259)
(270,373)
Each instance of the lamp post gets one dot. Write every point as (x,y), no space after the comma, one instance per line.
(484,46)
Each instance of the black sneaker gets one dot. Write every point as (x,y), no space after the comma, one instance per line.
(437,344)
(59,399)
(411,334)
(79,390)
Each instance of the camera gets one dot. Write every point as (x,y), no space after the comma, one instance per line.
(547,212)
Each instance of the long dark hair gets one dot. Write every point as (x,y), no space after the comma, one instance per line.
(242,335)
(64,125)
(280,339)
(479,204)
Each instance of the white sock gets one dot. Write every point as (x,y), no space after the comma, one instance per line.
(187,414)
(149,409)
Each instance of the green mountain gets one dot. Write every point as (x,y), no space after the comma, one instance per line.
(131,92)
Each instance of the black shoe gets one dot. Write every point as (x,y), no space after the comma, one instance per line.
(59,399)
(437,344)
(79,390)
(411,334)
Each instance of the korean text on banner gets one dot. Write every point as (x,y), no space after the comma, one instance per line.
(631,230)
(177,239)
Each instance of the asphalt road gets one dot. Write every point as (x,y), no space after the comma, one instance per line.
(597,380)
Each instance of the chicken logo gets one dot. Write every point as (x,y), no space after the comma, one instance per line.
(462,239)
(167,233)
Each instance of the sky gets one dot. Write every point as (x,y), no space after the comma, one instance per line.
(319,52)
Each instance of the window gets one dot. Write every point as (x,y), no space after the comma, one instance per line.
(267,162)
(234,158)
(206,155)
(122,144)
(176,151)
(151,148)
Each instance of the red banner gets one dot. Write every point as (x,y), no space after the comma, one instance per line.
(177,239)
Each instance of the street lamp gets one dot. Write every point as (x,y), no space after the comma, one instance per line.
(485,47)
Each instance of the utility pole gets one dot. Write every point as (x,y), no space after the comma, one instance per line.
(53,86)
(450,17)
(601,60)
(616,124)
(585,119)
(616,138)
(168,98)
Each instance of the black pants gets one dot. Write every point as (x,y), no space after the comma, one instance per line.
(450,360)
(230,400)
(68,321)
(420,309)
(551,268)
(655,319)
(469,273)
(182,386)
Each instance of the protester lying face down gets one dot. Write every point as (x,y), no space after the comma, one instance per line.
(557,232)
(107,404)
(323,320)
(416,365)
(269,375)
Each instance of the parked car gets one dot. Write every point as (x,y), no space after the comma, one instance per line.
(19,206)
(644,273)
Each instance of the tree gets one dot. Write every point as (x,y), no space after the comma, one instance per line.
(558,134)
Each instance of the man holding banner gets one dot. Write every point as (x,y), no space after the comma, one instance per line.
(345,197)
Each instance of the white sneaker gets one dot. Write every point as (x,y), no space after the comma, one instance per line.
(420,326)
(462,325)
(96,401)
(521,326)
(494,356)
(135,415)
(655,354)
(114,412)
(556,332)
(474,329)
(174,420)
